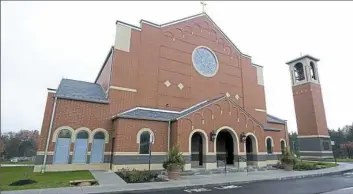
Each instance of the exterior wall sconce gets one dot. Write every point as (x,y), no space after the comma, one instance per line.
(213,135)
(242,137)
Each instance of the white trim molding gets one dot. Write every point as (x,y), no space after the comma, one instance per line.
(122,89)
(82,129)
(138,135)
(233,134)
(323,152)
(272,143)
(43,152)
(137,153)
(310,136)
(285,143)
(56,133)
(256,142)
(260,110)
(106,134)
(197,69)
(204,139)
(129,26)
(316,157)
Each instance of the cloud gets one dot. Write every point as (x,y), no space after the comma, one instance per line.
(43,42)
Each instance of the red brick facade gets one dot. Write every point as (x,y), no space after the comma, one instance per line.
(158,54)
(310,111)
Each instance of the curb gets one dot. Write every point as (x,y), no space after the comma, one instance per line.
(228,183)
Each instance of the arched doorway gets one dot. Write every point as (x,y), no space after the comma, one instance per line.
(198,150)
(225,148)
(62,147)
(283,145)
(251,149)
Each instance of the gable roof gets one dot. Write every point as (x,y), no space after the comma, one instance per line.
(302,57)
(104,63)
(267,128)
(182,20)
(141,113)
(160,114)
(199,106)
(81,90)
(273,119)
(148,114)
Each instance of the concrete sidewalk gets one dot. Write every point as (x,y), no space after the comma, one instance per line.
(192,181)
(107,178)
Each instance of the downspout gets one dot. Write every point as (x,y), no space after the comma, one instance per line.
(48,137)
(286,134)
(169,131)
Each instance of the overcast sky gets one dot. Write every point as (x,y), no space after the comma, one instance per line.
(43,42)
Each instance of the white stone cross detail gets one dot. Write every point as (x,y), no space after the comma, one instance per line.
(203,4)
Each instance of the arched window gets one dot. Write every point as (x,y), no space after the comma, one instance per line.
(269,145)
(81,144)
(62,147)
(283,145)
(145,142)
(97,151)
(299,72)
(312,71)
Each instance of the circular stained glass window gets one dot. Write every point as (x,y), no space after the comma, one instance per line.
(205,61)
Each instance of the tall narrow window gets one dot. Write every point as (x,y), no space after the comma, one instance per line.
(145,142)
(62,147)
(299,72)
(283,145)
(312,71)
(97,153)
(269,145)
(81,144)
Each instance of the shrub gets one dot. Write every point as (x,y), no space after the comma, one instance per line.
(175,159)
(135,176)
(305,166)
(312,165)
(287,157)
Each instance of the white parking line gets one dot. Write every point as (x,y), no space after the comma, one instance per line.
(228,187)
(197,190)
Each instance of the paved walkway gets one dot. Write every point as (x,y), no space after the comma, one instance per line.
(186,181)
(106,178)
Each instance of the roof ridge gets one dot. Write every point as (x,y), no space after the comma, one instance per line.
(234,103)
(206,103)
(275,117)
(80,81)
(187,18)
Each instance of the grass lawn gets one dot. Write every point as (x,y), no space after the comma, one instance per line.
(311,165)
(344,160)
(9,175)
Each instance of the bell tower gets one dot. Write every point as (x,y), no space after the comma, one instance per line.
(313,138)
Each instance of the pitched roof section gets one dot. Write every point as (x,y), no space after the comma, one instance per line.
(104,63)
(167,115)
(148,114)
(199,106)
(267,128)
(302,57)
(273,119)
(182,20)
(160,114)
(80,90)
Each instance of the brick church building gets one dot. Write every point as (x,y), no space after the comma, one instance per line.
(184,83)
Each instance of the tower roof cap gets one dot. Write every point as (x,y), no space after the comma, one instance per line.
(302,57)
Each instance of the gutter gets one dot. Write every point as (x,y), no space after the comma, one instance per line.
(48,137)
(286,134)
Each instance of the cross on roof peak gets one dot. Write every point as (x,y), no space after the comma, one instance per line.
(203,4)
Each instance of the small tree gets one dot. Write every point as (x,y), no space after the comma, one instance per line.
(175,159)
(287,157)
